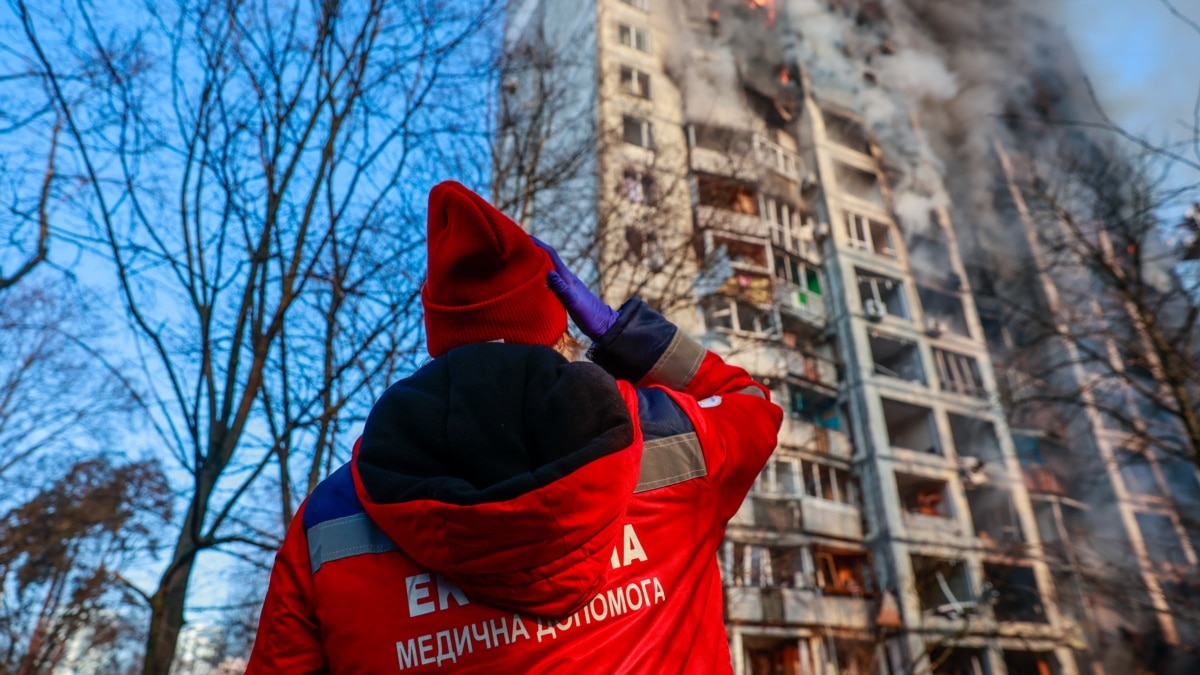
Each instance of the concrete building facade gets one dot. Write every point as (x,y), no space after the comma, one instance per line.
(903,525)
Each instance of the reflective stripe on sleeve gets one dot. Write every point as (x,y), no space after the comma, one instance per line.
(670,460)
(752,391)
(678,363)
(345,537)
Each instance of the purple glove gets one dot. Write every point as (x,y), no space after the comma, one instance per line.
(590,313)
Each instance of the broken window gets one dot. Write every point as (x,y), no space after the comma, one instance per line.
(943,312)
(630,36)
(845,131)
(910,427)
(844,573)
(853,657)
(974,437)
(742,253)
(644,246)
(634,81)
(895,357)
(1015,595)
(958,373)
(942,587)
(858,183)
(813,406)
(769,656)
(957,661)
(870,235)
(726,193)
(1137,473)
(922,496)
(995,517)
(1033,663)
(637,131)
(929,258)
(720,139)
(639,186)
(762,566)
(799,478)
(881,295)
(1162,540)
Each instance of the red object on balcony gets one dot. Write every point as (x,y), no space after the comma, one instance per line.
(1040,479)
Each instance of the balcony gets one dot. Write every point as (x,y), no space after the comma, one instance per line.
(733,222)
(807,514)
(777,158)
(811,368)
(804,435)
(799,302)
(707,160)
(796,606)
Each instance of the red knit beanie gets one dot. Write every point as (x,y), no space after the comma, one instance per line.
(487,279)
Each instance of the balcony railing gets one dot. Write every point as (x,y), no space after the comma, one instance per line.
(804,435)
(800,302)
(744,224)
(796,606)
(800,514)
(777,158)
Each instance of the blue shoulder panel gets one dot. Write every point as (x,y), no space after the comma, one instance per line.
(333,498)
(661,416)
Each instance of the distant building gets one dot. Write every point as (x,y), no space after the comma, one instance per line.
(763,175)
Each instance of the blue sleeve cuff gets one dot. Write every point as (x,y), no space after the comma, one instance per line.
(644,348)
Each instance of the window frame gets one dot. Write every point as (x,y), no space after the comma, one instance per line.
(645,131)
(629,35)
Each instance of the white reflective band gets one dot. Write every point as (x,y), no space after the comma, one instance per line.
(678,363)
(670,460)
(345,537)
(752,391)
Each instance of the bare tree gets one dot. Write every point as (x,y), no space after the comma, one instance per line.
(248,178)
(59,556)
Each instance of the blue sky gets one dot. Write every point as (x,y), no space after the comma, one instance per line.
(1144,62)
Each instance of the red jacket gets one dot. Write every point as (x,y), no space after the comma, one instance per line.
(508,512)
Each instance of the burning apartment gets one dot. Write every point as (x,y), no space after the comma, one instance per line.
(829,194)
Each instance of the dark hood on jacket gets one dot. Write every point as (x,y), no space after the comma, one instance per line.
(505,469)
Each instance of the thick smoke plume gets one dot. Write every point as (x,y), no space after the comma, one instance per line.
(930,79)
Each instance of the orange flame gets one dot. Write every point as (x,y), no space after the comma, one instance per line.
(768,5)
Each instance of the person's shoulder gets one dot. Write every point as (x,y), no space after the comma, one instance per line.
(333,498)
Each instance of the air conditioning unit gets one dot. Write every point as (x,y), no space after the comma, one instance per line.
(934,327)
(820,232)
(874,310)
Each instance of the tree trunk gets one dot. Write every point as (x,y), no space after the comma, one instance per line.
(166,617)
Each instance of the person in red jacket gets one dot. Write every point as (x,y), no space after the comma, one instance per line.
(509,511)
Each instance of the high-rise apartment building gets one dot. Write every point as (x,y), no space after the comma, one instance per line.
(768,174)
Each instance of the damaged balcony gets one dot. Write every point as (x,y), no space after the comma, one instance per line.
(943,312)
(995,518)
(745,256)
(846,132)
(943,588)
(1015,595)
(926,503)
(743,154)
(910,427)
(729,205)
(799,495)
(814,421)
(896,357)
(799,585)
(798,289)
(958,373)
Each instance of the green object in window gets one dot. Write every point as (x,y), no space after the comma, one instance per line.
(814,281)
